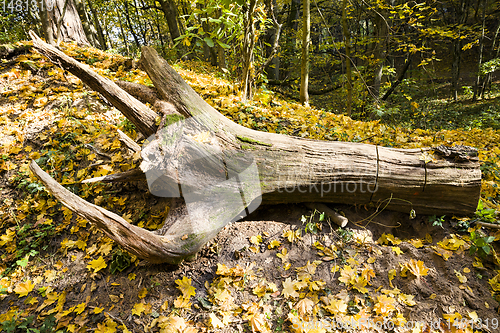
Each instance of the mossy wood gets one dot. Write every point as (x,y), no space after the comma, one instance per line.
(291,169)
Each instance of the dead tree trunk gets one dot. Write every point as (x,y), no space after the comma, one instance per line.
(220,171)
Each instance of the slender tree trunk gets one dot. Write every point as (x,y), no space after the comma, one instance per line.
(124,36)
(306,36)
(480,57)
(130,26)
(347,43)
(170,11)
(88,27)
(247,50)
(97,25)
(461,18)
(379,52)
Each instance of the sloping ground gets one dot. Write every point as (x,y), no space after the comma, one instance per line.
(385,273)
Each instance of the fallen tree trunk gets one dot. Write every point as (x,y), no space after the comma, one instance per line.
(219,171)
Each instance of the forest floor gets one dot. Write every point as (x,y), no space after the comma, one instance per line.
(280,270)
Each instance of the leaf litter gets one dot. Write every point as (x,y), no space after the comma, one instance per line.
(259,275)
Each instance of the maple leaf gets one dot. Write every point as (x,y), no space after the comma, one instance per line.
(416,243)
(256,240)
(359,284)
(289,288)
(258,323)
(384,305)
(24,288)
(460,277)
(407,299)
(273,244)
(131,276)
(336,307)
(182,302)
(292,236)
(139,308)
(185,287)
(80,308)
(367,274)
(283,255)
(392,274)
(347,274)
(304,306)
(142,293)
(214,321)
(417,268)
(397,250)
(97,264)
(307,271)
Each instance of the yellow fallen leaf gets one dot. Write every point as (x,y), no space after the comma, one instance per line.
(24,288)
(215,322)
(185,287)
(97,264)
(392,274)
(142,293)
(256,240)
(131,276)
(460,277)
(138,309)
(397,250)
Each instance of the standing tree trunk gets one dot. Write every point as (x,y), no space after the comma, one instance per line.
(379,52)
(347,58)
(247,49)
(304,68)
(480,56)
(88,27)
(226,170)
(97,25)
(131,28)
(170,11)
(461,18)
(63,23)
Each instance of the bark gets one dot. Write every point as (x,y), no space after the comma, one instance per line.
(290,170)
(347,58)
(170,11)
(461,18)
(379,52)
(480,57)
(88,27)
(63,23)
(97,24)
(304,68)
(247,50)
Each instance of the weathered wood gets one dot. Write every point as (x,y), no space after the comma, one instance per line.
(131,144)
(127,176)
(290,169)
(300,170)
(140,115)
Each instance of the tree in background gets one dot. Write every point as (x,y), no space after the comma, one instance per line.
(304,68)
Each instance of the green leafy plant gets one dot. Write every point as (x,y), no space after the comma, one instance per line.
(436,221)
(310,225)
(120,262)
(480,244)
(485,214)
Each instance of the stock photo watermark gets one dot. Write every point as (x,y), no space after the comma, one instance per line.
(24,6)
